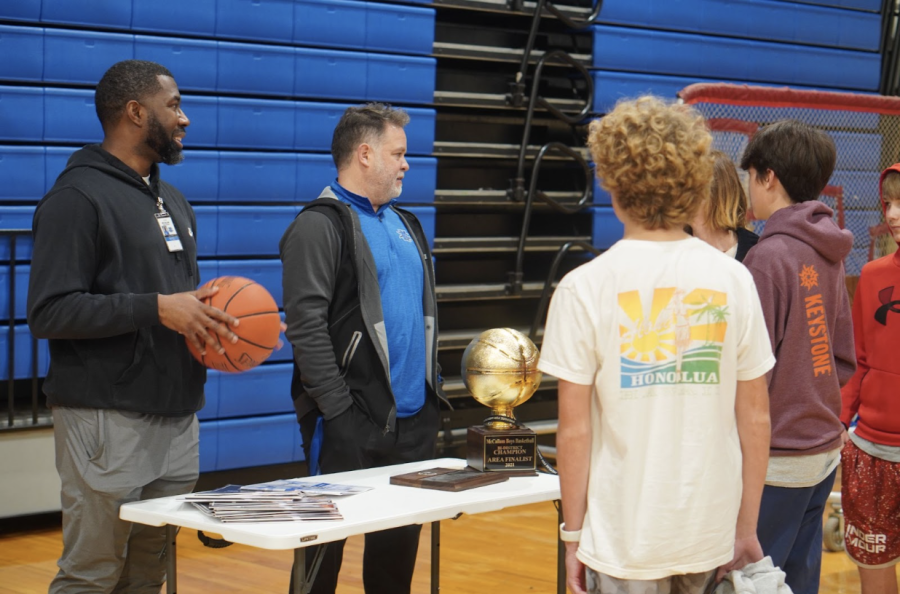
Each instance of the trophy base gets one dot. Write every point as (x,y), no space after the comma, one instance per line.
(511,451)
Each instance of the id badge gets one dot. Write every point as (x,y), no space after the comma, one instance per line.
(169,233)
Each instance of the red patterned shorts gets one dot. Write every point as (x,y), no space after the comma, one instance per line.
(870,498)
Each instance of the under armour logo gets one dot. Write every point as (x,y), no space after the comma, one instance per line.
(885,296)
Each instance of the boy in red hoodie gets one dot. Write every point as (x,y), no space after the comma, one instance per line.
(870,461)
(799,273)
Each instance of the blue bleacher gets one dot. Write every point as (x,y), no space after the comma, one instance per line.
(21,295)
(70,116)
(253,231)
(24,358)
(686,54)
(239,443)
(265,272)
(21,113)
(27,45)
(607,228)
(867,5)
(16,217)
(103,13)
(771,20)
(189,60)
(265,81)
(81,57)
(347,24)
(196,17)
(21,10)
(18,178)
(259,391)
(257,177)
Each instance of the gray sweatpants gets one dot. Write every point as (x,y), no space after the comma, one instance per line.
(106,458)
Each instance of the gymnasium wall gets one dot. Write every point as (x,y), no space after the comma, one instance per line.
(264,82)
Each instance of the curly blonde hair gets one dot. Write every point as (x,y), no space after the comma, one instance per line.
(654,158)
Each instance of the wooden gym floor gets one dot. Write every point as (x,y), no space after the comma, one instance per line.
(512,551)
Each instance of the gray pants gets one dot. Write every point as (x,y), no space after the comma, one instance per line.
(106,458)
(692,583)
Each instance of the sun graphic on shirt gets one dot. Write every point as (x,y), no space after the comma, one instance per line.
(646,338)
(809,278)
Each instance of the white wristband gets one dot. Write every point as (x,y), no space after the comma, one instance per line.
(569,535)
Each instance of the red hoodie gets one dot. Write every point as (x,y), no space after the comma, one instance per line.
(874,390)
(799,273)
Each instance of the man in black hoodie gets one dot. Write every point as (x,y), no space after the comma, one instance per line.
(112,288)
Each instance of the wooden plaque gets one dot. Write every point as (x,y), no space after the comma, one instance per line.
(448,479)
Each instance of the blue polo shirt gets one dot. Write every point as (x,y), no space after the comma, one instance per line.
(401,282)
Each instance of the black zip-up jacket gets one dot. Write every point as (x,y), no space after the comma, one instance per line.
(99,263)
(332,305)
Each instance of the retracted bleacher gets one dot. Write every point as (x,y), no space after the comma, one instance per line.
(264,82)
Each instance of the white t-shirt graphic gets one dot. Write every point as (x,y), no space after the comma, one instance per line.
(663,331)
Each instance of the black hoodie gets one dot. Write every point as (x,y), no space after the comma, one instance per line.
(98,265)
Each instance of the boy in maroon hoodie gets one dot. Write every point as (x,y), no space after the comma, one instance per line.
(798,270)
(870,461)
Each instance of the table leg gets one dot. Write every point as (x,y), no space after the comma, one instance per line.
(300,585)
(560,555)
(171,565)
(435,557)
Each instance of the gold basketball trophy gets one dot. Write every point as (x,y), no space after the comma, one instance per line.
(499,368)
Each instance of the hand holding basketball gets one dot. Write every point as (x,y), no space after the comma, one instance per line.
(258,329)
(187,314)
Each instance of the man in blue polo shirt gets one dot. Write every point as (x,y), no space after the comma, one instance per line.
(360,308)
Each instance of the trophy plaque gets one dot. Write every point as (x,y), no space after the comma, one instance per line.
(499,369)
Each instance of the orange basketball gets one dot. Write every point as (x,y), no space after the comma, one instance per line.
(258,331)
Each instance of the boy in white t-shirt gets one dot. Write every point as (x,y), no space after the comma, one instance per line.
(661,352)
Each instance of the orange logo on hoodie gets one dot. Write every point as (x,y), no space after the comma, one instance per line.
(819,347)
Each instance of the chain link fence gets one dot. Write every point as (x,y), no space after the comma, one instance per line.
(866,132)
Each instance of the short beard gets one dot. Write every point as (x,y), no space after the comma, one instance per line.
(162,144)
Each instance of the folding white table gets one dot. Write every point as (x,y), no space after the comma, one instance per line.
(385,506)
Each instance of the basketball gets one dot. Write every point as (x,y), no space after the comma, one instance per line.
(257,333)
